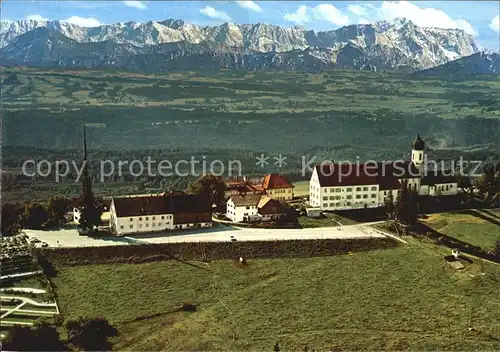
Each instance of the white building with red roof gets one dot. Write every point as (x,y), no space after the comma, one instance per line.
(358,186)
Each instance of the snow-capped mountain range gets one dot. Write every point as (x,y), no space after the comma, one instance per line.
(174,44)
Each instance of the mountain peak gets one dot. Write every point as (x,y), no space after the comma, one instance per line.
(396,44)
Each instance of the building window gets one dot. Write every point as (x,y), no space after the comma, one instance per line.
(147,218)
(121,227)
(140,226)
(358,196)
(140,219)
(131,219)
(154,218)
(349,189)
(131,226)
(374,196)
(365,196)
(325,205)
(420,157)
(349,196)
(332,197)
(163,217)
(348,203)
(358,188)
(325,198)
(365,188)
(332,205)
(338,190)
(374,188)
(147,225)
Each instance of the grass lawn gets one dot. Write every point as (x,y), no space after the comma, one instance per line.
(477,227)
(301,189)
(402,298)
(329,219)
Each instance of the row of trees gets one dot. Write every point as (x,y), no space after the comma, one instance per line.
(33,215)
(83,334)
(48,215)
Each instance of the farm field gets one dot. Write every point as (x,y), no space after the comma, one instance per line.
(477,227)
(402,298)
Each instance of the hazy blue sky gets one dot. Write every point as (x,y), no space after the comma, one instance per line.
(476,17)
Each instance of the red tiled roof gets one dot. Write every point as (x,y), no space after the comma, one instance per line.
(274,181)
(160,204)
(386,175)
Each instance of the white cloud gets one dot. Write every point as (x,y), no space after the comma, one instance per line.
(329,13)
(362,20)
(36,18)
(358,10)
(84,22)
(424,17)
(322,12)
(213,13)
(298,17)
(495,24)
(137,4)
(251,5)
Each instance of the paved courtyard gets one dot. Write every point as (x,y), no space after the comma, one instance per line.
(70,237)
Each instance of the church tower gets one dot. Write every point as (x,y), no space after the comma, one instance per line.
(417,153)
(87,196)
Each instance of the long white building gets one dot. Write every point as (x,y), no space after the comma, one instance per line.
(358,186)
(159,213)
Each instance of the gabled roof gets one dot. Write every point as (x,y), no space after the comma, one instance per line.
(160,204)
(242,200)
(275,181)
(386,175)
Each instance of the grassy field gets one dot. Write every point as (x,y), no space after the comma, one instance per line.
(328,219)
(477,227)
(397,299)
(301,189)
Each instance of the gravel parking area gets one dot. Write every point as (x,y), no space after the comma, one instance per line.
(70,237)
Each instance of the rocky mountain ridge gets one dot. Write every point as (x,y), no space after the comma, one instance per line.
(175,44)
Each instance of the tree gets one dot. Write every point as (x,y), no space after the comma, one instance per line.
(11,219)
(35,216)
(42,337)
(465,184)
(90,216)
(91,334)
(406,205)
(389,205)
(56,207)
(211,187)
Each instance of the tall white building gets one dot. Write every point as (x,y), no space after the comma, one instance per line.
(359,186)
